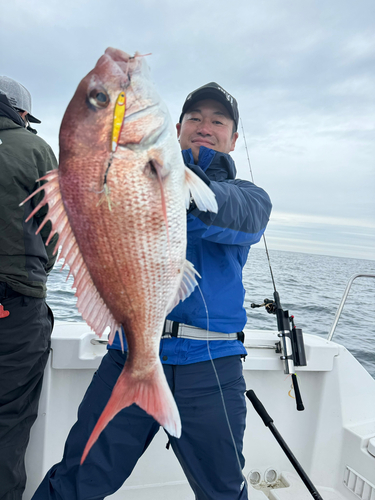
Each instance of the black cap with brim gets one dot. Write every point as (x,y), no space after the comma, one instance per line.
(212,91)
(32,118)
(29,117)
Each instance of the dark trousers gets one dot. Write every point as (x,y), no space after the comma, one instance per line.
(24,347)
(205,449)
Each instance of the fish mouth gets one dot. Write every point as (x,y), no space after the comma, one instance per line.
(125,72)
(116,65)
(117,68)
(120,57)
(124,61)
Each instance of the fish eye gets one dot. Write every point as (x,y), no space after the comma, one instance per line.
(98,98)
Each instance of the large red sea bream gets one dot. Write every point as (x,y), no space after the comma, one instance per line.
(118,201)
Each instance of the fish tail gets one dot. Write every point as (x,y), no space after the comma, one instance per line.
(151,394)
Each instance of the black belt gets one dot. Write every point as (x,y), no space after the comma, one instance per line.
(6,292)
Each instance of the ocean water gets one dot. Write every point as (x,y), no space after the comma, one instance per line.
(310,288)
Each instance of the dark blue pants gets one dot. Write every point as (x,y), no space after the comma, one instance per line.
(205,449)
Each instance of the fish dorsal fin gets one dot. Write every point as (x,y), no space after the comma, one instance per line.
(203,196)
(89,303)
(187,285)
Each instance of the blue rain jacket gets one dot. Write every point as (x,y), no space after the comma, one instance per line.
(218,246)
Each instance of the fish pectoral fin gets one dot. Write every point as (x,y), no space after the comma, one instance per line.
(152,394)
(203,196)
(187,285)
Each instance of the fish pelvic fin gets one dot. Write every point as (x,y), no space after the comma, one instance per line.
(203,196)
(187,285)
(152,394)
(89,302)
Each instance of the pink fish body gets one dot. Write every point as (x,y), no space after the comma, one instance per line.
(121,219)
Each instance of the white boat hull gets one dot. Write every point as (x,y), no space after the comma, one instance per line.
(332,438)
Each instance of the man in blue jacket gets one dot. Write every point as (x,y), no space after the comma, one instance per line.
(202,342)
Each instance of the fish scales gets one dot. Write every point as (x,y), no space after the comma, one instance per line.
(134,205)
(122,222)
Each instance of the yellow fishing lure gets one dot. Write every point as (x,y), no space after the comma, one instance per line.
(118,120)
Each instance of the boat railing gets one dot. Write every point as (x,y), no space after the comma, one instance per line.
(343,300)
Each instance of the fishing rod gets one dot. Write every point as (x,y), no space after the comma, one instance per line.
(290,346)
(268,422)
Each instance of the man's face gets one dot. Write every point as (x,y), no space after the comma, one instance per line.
(23,115)
(207,123)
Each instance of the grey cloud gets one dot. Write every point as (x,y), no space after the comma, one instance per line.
(302,72)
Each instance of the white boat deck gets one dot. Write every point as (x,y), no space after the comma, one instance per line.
(333,439)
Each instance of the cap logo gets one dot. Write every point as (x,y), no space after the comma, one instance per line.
(13,101)
(227,95)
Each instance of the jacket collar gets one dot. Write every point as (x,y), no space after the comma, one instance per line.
(218,166)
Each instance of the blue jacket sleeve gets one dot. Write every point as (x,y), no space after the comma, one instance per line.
(243,214)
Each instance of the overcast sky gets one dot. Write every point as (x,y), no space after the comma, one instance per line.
(302,71)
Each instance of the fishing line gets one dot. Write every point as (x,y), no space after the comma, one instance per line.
(291,344)
(219,385)
(252,179)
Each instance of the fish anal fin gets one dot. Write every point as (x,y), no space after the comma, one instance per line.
(203,196)
(150,393)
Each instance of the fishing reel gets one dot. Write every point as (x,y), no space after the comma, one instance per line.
(291,345)
(286,327)
(270,306)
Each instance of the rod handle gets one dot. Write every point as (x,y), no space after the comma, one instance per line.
(299,402)
(259,408)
